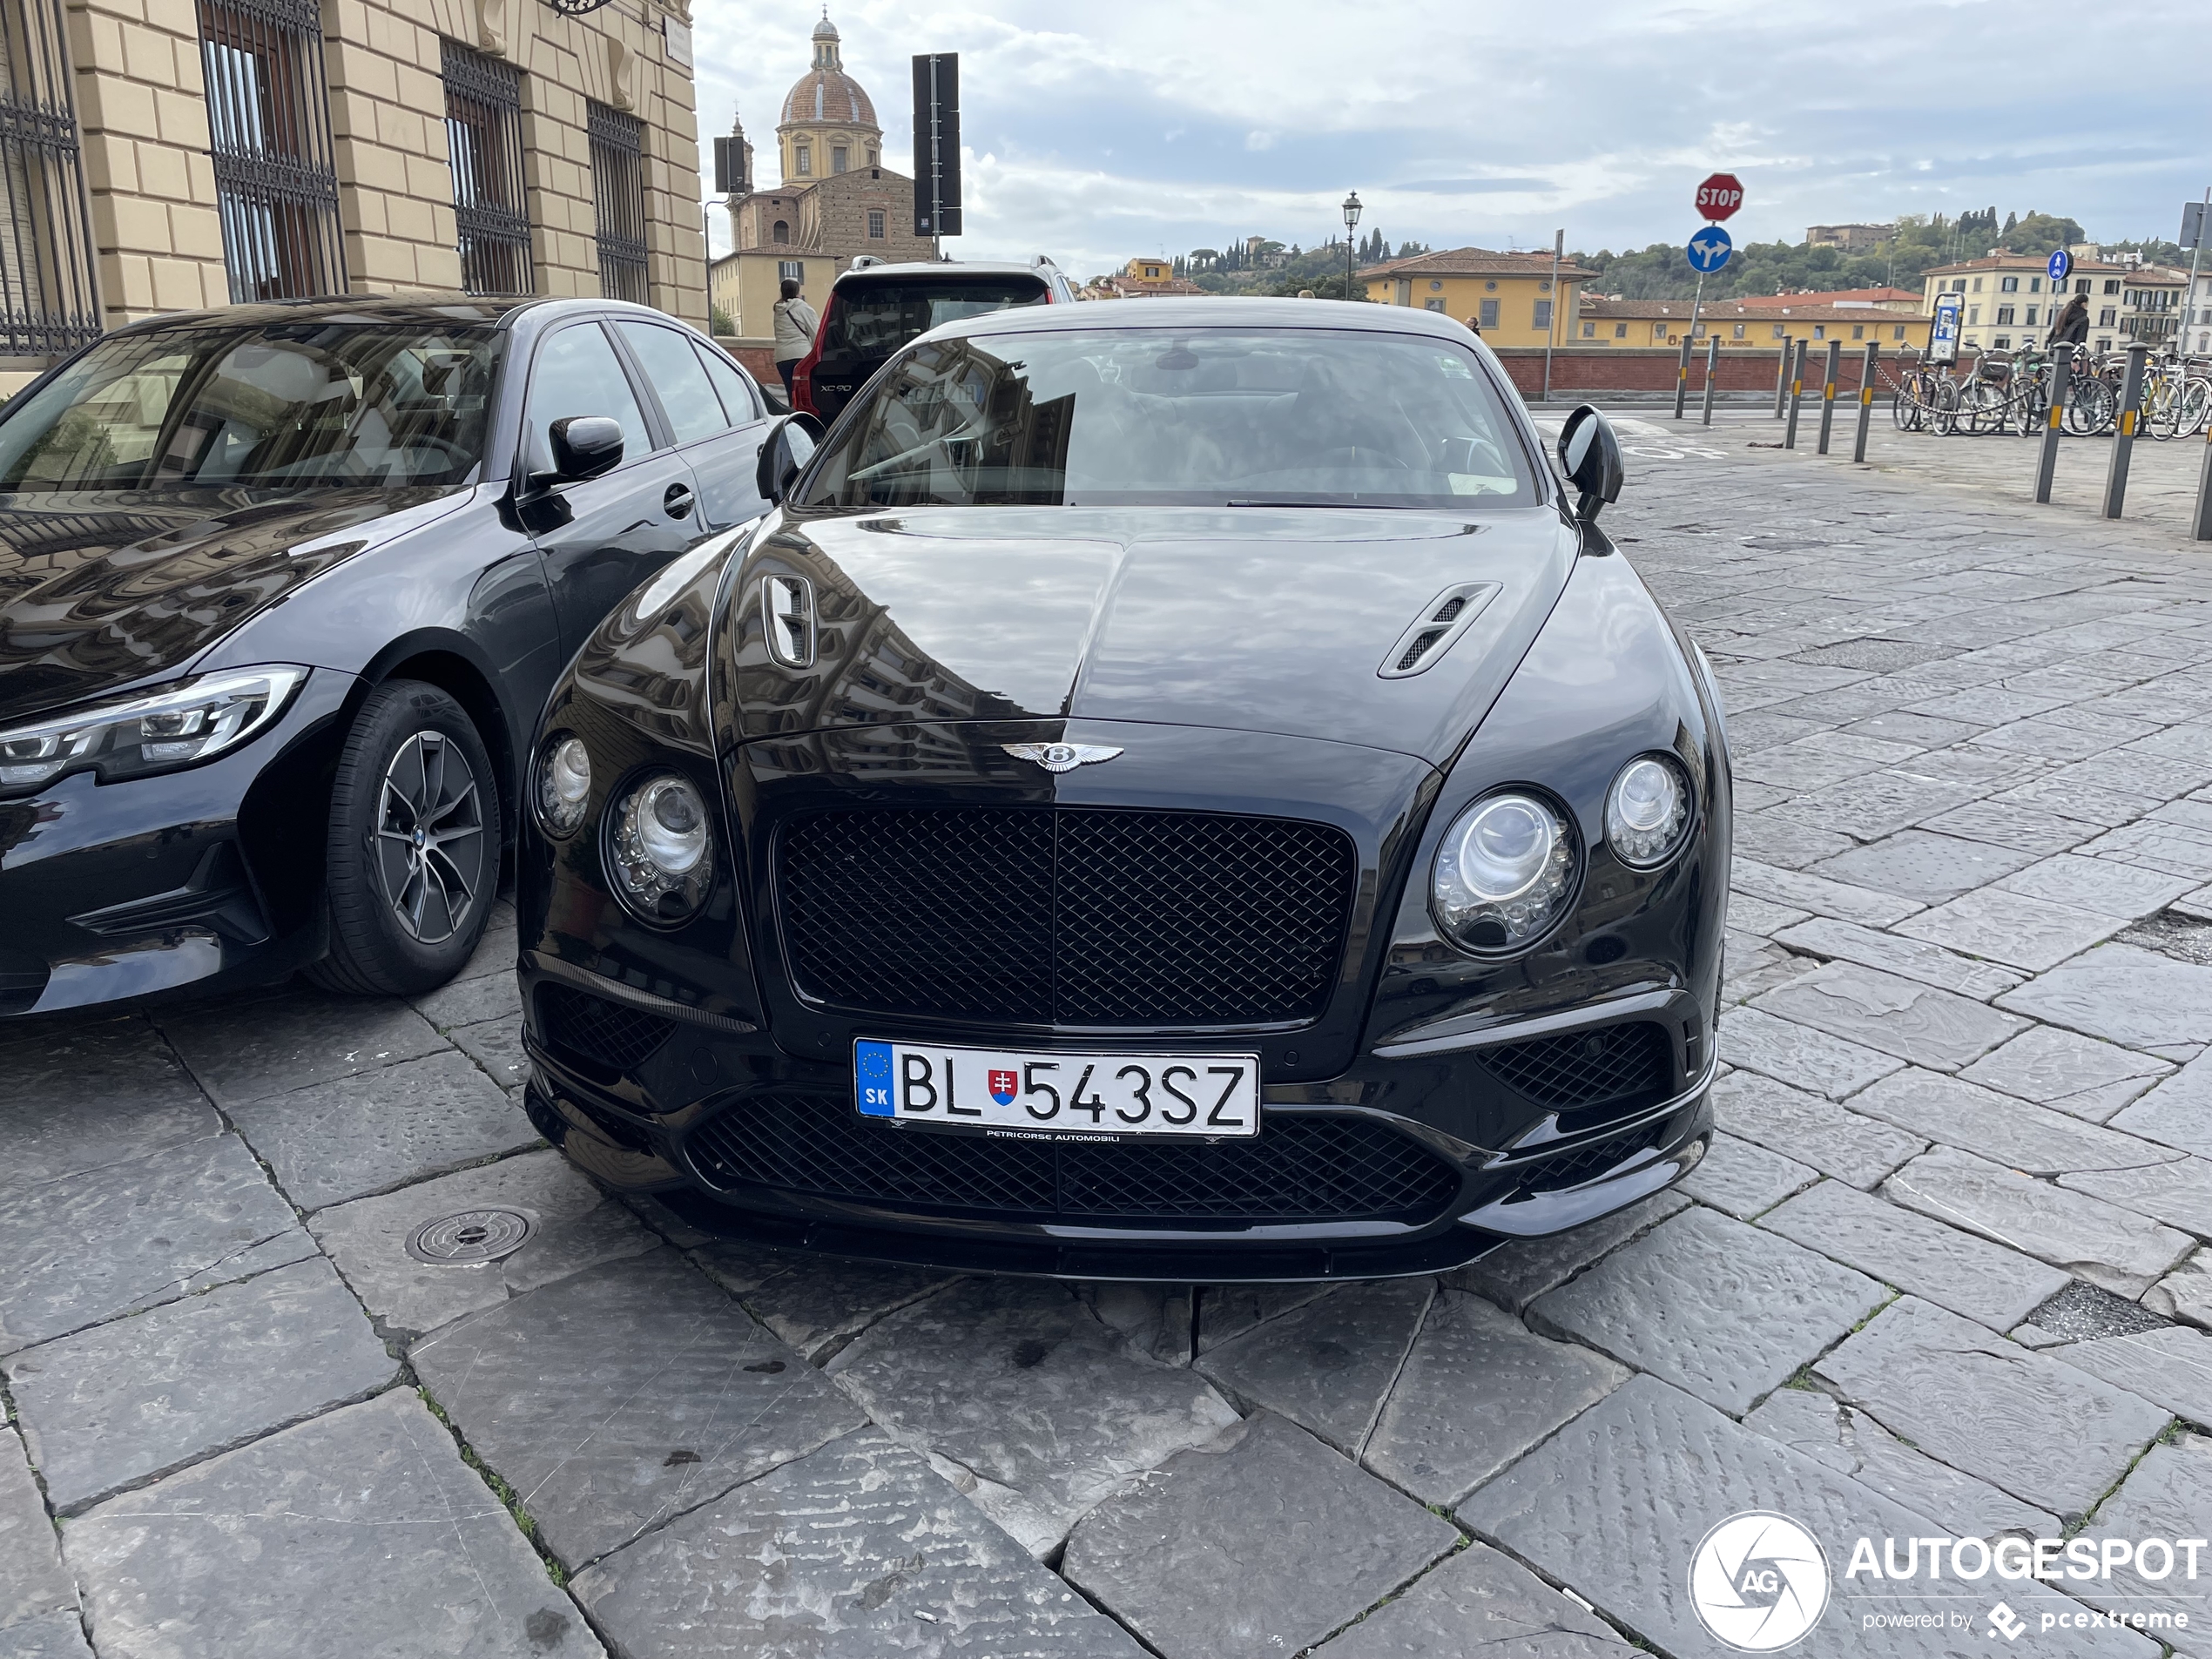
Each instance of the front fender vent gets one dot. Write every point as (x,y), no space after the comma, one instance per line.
(1433,632)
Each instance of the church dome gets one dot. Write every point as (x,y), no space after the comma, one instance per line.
(825,93)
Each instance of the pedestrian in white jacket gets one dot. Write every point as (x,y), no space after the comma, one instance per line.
(795,326)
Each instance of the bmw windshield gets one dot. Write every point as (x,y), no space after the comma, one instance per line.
(1208,417)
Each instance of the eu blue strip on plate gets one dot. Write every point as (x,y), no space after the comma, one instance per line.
(872,1079)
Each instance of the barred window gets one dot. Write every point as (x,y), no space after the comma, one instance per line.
(619,192)
(47,305)
(269,115)
(485,137)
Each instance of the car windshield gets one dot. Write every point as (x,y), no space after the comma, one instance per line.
(875,318)
(1187,417)
(326,405)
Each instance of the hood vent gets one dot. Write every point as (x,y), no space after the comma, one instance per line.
(1433,633)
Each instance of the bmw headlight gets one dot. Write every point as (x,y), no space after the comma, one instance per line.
(563,783)
(1646,812)
(1504,873)
(659,851)
(178,725)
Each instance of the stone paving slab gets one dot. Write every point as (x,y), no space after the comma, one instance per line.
(495,995)
(2185,1293)
(1016,1386)
(1157,1321)
(50,1635)
(1893,1016)
(814,1303)
(373,1130)
(2178,1193)
(1478,1390)
(1226,1311)
(496,1045)
(854,1551)
(1259,1545)
(632,1393)
(359,1535)
(1723,1309)
(33,1583)
(1798,1056)
(2136,998)
(1842,900)
(1921,864)
(2171,1367)
(2047,1433)
(2032,1139)
(1616,1502)
(127,1236)
(1826,1430)
(2104,885)
(147,1102)
(1478,1602)
(112,1407)
(2092,1239)
(2016,928)
(1327,1366)
(574,1226)
(2168,1496)
(1743,1179)
(1967,1274)
(2073,1074)
(1810,1127)
(1518,1271)
(1847,941)
(240,1052)
(2177,1112)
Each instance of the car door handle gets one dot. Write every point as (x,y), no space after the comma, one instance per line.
(677,501)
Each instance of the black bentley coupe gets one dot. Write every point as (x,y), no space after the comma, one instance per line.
(282,588)
(1176,790)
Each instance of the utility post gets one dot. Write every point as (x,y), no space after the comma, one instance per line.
(1782,378)
(1559,247)
(1796,391)
(2202,529)
(2123,441)
(2047,462)
(1681,376)
(1712,366)
(1866,399)
(1828,394)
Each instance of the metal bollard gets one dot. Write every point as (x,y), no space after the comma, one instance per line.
(2203,532)
(2046,462)
(1866,399)
(1712,366)
(2123,441)
(1797,393)
(1782,378)
(1828,395)
(1682,378)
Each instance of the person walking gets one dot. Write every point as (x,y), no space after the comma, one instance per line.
(795,326)
(2071,326)
(1475,326)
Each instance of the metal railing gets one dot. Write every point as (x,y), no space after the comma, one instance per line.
(268,118)
(484,139)
(618,193)
(48,305)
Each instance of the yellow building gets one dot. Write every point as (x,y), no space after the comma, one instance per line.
(1761,327)
(2005,299)
(747,287)
(1509,295)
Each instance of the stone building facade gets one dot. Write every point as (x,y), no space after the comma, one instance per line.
(235,150)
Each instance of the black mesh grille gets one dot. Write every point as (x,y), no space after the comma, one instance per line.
(1586,1068)
(1297,1168)
(1072,916)
(608,1033)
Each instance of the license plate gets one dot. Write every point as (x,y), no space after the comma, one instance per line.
(1208,1097)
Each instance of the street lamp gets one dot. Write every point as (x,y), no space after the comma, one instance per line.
(1350,224)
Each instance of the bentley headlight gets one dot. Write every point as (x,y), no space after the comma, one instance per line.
(660,851)
(1504,873)
(1646,812)
(177,725)
(564,784)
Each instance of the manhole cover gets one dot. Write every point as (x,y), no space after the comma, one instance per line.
(472,1235)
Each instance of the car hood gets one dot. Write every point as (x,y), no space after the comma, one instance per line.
(100,590)
(1258,619)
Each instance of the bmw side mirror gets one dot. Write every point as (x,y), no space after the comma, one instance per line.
(584,447)
(790,445)
(1589,456)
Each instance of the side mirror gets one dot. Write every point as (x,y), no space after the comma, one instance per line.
(584,447)
(1590,457)
(790,445)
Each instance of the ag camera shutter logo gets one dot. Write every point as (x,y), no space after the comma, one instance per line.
(1759,1581)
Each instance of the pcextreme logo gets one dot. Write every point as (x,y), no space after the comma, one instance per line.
(1759,1581)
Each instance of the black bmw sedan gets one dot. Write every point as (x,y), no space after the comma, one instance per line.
(1175,791)
(282,589)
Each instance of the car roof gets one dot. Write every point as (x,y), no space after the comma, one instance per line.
(1212,311)
(428,310)
(948,268)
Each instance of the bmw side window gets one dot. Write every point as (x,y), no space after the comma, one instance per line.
(739,396)
(577,373)
(686,395)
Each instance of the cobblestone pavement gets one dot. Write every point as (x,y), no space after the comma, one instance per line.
(1943,1272)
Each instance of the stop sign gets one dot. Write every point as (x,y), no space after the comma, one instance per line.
(1720,196)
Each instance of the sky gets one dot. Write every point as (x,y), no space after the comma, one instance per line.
(1099,132)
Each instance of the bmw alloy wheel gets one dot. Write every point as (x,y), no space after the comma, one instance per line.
(429,841)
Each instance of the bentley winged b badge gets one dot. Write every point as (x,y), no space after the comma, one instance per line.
(1059,757)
